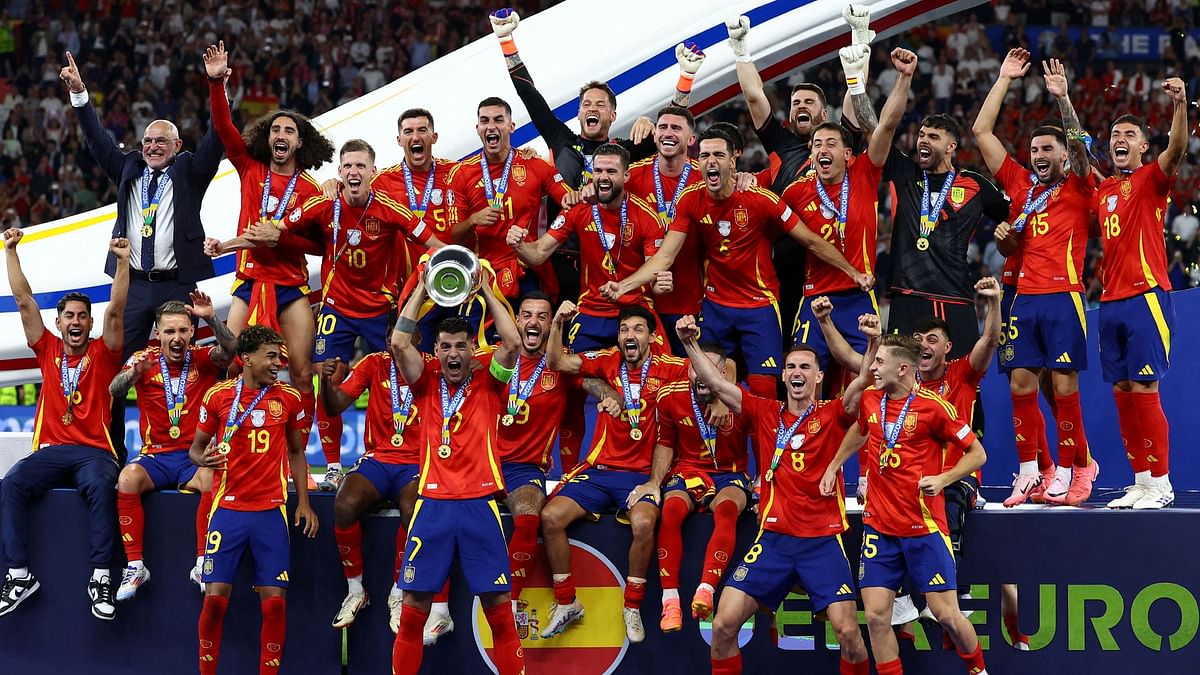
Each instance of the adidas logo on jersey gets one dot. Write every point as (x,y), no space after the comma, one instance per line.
(1069,442)
(844,590)
(283,576)
(937,580)
(1146,370)
(501,580)
(769,363)
(1063,358)
(273,663)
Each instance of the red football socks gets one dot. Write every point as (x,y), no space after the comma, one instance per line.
(724,536)
(564,591)
(762,385)
(329,431)
(861,668)
(1072,443)
(1028,424)
(349,543)
(132,521)
(408,648)
(506,652)
(670,541)
(212,619)
(521,550)
(729,666)
(1155,432)
(974,660)
(274,626)
(893,667)
(202,512)
(635,592)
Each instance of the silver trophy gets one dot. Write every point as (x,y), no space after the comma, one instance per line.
(452,275)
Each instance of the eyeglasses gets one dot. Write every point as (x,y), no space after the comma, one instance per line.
(160,140)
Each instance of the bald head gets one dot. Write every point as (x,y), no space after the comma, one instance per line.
(160,144)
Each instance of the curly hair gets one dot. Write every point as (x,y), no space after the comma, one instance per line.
(313,152)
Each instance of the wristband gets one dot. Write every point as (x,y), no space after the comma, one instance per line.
(686,80)
(743,58)
(406,325)
(500,371)
(508,46)
(855,84)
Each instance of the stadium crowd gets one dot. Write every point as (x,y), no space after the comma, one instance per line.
(646,251)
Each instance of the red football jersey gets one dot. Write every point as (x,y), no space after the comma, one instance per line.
(629,247)
(1054,241)
(734,235)
(255,475)
(612,447)
(687,272)
(372,374)
(1131,211)
(530,179)
(535,426)
(152,398)
(957,387)
(1012,268)
(677,429)
(361,284)
(281,265)
(857,243)
(436,216)
(791,501)
(473,467)
(91,411)
(895,505)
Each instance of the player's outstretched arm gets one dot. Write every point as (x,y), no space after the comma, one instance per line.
(854,113)
(31,316)
(409,361)
(1015,65)
(868,324)
(502,318)
(114,315)
(851,442)
(648,272)
(202,308)
(748,77)
(331,371)
(1057,86)
(857,108)
(556,355)
(689,57)
(985,347)
(1168,159)
(841,350)
(880,144)
(532,253)
(553,130)
(123,380)
(216,65)
(713,378)
(296,441)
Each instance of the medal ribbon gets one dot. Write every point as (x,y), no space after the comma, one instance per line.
(1032,205)
(890,437)
(708,433)
(516,399)
(842,210)
(634,408)
(400,409)
(233,421)
(451,406)
(70,383)
(266,197)
(941,387)
(337,228)
(418,210)
(784,434)
(174,400)
(666,210)
(931,213)
(149,205)
(495,193)
(612,264)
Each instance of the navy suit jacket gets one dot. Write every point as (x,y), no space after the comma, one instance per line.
(190,175)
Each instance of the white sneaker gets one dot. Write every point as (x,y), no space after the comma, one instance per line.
(1132,495)
(561,616)
(101,596)
(332,481)
(903,610)
(436,626)
(16,591)
(395,604)
(349,610)
(1157,495)
(134,577)
(633,624)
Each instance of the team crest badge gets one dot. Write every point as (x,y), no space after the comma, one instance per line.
(410,573)
(275,408)
(558,222)
(1008,353)
(958,195)
(862,570)
(724,228)
(1112,203)
(506,277)
(1055,193)
(258,417)
(740,573)
(549,379)
(814,426)
(435,197)
(449,197)
(372,227)
(518,174)
(910,422)
(208,565)
(295,215)
(741,217)
(354,237)
(320,345)
(797,441)
(1126,188)
(652,384)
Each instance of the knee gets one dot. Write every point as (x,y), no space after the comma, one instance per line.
(878,618)
(130,481)
(724,631)
(847,633)
(642,526)
(552,521)
(346,510)
(97,487)
(946,615)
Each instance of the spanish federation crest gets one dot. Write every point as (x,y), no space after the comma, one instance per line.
(724,228)
(741,217)
(435,197)
(275,407)
(371,226)
(258,417)
(910,422)
(958,195)
(814,426)
(549,379)
(319,347)
(518,174)
(354,237)
(410,573)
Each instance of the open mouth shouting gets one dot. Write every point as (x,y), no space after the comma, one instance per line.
(605,190)
(631,349)
(1120,153)
(491,140)
(280,151)
(454,368)
(795,386)
(1042,168)
(176,349)
(75,335)
(591,123)
(712,176)
(926,359)
(532,335)
(803,120)
(825,161)
(416,150)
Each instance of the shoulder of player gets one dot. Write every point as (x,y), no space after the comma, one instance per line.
(670,360)
(763,193)
(309,180)
(933,397)
(639,205)
(219,388)
(599,354)
(671,389)
(693,191)
(288,391)
(315,201)
(642,164)
(389,203)
(462,166)
(531,156)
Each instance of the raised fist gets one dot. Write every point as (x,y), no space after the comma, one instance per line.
(822,307)
(12,237)
(854,59)
(504,22)
(904,61)
(859,19)
(516,235)
(738,29)
(689,57)
(686,328)
(988,287)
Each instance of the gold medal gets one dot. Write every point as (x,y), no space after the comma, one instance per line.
(223,448)
(635,434)
(922,244)
(609,266)
(507,420)
(68,418)
(173,432)
(147,231)
(397,440)
(769,475)
(444,451)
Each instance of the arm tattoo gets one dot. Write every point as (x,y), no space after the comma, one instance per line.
(599,388)
(864,112)
(512,61)
(226,340)
(681,99)
(1075,147)
(121,383)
